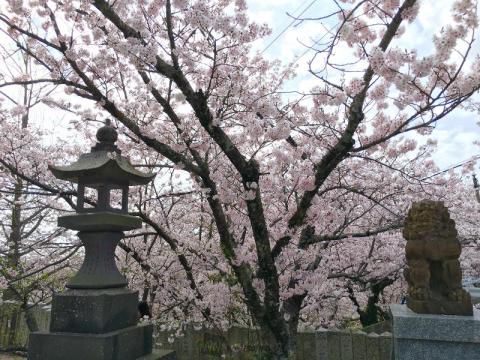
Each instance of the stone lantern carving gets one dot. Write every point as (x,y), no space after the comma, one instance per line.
(96,317)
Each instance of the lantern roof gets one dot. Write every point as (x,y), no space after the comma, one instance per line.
(103,165)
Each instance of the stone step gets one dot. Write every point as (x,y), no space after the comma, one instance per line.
(126,344)
(160,355)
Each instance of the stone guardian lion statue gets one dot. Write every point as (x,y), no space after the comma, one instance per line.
(433,271)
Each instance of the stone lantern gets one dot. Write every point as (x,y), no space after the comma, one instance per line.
(96,317)
(104,170)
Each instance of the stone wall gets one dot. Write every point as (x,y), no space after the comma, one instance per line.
(13,328)
(243,344)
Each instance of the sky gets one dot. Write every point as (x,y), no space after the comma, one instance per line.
(455,134)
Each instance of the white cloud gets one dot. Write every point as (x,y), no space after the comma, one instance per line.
(456,136)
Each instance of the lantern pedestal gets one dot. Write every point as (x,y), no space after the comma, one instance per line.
(130,343)
(96,317)
(94,311)
(98,270)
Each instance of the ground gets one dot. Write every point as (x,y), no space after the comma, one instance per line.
(10,357)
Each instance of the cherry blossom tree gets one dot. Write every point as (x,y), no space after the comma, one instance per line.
(266,211)
(27,210)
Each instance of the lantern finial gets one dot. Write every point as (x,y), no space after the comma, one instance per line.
(106,136)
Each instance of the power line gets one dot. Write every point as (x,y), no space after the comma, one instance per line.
(297,59)
(291,23)
(474,158)
(300,6)
(314,43)
(451,167)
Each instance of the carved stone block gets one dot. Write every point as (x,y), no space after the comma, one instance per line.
(94,311)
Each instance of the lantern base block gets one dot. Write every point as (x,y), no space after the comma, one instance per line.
(133,343)
(94,311)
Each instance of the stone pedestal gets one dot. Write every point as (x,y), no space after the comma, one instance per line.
(94,311)
(95,325)
(98,270)
(475,294)
(439,337)
(130,343)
